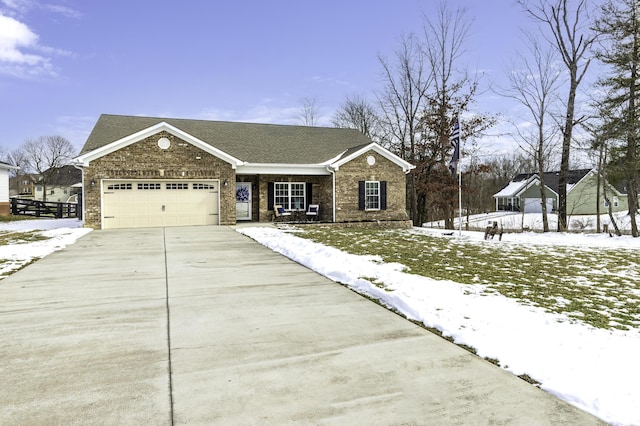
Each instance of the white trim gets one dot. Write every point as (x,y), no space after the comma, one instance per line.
(333,189)
(289,196)
(524,185)
(377,182)
(249,203)
(406,167)
(281,169)
(85,159)
(8,167)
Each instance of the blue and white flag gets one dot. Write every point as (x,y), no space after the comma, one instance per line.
(454,138)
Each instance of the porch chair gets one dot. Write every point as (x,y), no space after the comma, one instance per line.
(313,213)
(280,213)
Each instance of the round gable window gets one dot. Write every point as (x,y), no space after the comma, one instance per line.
(164,143)
(371,160)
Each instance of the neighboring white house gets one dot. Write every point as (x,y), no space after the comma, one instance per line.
(5,207)
(64,184)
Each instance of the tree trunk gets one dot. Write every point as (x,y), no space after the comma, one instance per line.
(632,163)
(412,200)
(598,184)
(567,132)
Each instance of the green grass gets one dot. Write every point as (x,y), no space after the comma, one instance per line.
(16,238)
(18,218)
(597,286)
(7,238)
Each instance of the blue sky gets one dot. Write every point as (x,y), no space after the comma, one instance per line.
(65,62)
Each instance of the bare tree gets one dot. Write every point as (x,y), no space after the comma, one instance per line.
(452,92)
(402,102)
(45,155)
(600,143)
(402,99)
(533,82)
(309,111)
(358,113)
(570,35)
(18,158)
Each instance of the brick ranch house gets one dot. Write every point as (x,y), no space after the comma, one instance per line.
(145,172)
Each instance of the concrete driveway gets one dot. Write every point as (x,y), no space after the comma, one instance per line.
(201,325)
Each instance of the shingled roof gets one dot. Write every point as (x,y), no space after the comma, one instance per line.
(552,179)
(248,142)
(64,176)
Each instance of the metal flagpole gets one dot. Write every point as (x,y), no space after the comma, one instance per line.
(459,200)
(459,179)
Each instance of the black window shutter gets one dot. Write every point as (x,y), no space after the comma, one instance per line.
(361,195)
(383,195)
(309,194)
(270,195)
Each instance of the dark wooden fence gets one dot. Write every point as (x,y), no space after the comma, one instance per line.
(21,206)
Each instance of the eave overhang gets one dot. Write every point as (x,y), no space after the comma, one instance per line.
(85,159)
(406,166)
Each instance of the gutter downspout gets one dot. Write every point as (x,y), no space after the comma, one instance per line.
(333,191)
(82,170)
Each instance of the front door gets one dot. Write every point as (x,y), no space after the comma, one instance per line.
(243,201)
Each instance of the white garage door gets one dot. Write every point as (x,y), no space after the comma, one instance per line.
(534,205)
(140,204)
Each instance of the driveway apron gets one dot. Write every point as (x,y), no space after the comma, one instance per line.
(201,325)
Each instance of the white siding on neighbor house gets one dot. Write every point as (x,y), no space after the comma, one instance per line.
(4,185)
(59,194)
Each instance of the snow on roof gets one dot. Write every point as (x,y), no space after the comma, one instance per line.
(511,189)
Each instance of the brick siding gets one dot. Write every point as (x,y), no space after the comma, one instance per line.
(145,160)
(182,160)
(347,178)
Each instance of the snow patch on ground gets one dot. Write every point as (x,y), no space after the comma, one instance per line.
(60,233)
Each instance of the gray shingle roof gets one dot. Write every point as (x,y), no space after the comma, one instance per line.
(250,142)
(552,179)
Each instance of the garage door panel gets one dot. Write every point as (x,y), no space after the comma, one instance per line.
(133,204)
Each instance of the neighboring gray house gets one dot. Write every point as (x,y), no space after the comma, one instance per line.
(148,171)
(523,193)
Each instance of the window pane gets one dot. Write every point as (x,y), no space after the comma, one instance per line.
(297,196)
(282,195)
(372,195)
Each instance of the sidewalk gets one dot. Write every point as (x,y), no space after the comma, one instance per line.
(201,325)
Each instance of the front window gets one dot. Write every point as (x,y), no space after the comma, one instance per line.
(372,195)
(290,195)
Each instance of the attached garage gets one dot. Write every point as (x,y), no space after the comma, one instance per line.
(158,203)
(534,205)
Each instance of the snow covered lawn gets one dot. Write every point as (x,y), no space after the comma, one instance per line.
(563,309)
(22,242)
